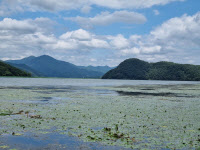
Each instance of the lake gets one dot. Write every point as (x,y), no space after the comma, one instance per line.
(52,113)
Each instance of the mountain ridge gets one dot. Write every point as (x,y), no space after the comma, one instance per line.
(51,67)
(136,69)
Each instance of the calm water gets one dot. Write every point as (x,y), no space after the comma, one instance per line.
(82,82)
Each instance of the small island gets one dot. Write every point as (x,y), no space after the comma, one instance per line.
(135,69)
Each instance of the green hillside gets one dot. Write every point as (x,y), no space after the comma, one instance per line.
(135,69)
(8,70)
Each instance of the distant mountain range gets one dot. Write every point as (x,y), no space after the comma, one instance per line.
(135,69)
(46,66)
(102,69)
(8,70)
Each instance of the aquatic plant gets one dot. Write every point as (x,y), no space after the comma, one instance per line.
(134,121)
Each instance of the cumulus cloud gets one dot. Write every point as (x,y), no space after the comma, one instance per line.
(23,37)
(177,32)
(12,6)
(106,18)
(118,42)
(96,43)
(115,4)
(141,50)
(27,37)
(57,5)
(120,4)
(27,26)
(8,24)
(8,7)
(83,40)
(156,12)
(77,34)
(86,9)
(175,40)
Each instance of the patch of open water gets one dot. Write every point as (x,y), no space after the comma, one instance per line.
(52,141)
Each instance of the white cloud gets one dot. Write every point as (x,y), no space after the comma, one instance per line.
(63,45)
(175,40)
(118,42)
(24,37)
(84,39)
(96,43)
(77,34)
(131,51)
(13,6)
(57,5)
(25,26)
(182,32)
(86,9)
(115,4)
(124,4)
(156,12)
(141,50)
(153,49)
(8,24)
(20,38)
(8,7)
(106,18)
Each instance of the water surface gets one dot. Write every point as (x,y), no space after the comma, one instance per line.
(48,113)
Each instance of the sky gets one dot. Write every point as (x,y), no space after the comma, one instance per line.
(101,32)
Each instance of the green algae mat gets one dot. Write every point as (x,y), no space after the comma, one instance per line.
(125,116)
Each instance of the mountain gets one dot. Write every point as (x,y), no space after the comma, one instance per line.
(174,71)
(50,67)
(22,61)
(135,69)
(8,70)
(26,69)
(102,69)
(129,69)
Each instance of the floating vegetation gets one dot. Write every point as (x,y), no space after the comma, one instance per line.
(16,134)
(4,147)
(136,117)
(145,94)
(5,112)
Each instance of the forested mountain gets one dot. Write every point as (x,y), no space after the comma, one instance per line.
(136,69)
(49,67)
(8,70)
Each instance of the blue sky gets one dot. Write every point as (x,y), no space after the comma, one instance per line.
(106,32)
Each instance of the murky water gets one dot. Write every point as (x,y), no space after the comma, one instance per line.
(82,82)
(44,113)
